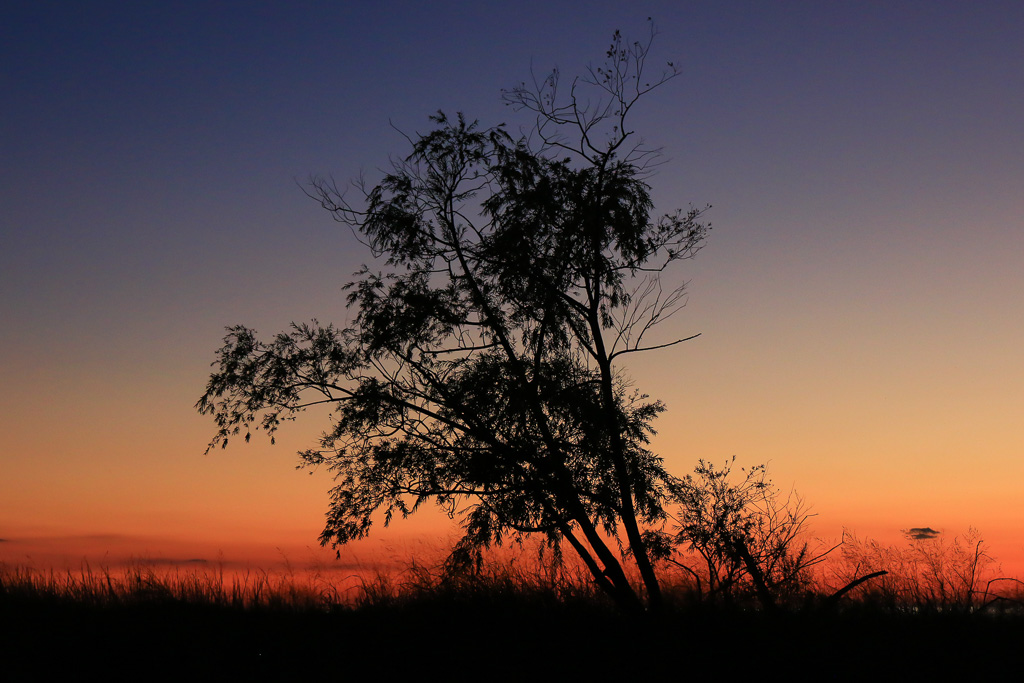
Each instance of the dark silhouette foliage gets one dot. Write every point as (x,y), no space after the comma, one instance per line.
(482,371)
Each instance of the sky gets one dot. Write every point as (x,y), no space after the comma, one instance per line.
(858,302)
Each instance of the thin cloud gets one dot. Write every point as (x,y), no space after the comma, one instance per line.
(173,561)
(921,533)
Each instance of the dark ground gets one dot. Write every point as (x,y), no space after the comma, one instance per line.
(46,640)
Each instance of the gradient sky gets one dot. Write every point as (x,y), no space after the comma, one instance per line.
(859,300)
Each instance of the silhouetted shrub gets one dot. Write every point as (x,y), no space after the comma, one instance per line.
(741,539)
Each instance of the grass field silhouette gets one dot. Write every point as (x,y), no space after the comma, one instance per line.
(514,616)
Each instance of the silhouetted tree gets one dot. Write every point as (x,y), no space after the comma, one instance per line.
(482,371)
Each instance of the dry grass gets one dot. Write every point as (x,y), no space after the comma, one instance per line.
(926,575)
(140,583)
(512,579)
(923,576)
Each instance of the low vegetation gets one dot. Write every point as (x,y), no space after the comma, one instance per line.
(140,583)
(922,576)
(936,600)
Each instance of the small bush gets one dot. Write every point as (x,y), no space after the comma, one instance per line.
(741,539)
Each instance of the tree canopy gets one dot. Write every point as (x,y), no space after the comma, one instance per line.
(482,370)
